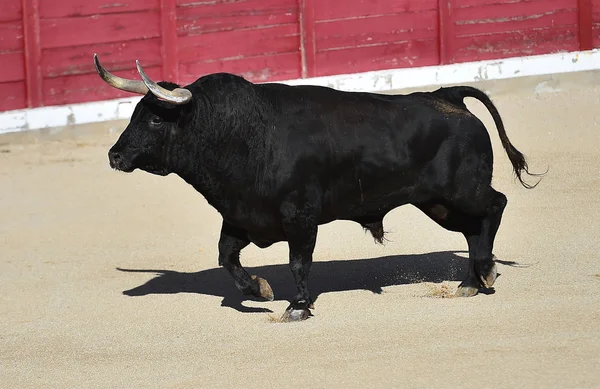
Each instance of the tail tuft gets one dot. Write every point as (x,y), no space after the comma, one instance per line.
(520,166)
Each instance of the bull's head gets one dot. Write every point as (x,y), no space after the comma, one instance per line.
(145,142)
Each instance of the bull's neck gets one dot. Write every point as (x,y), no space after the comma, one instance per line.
(202,167)
(215,150)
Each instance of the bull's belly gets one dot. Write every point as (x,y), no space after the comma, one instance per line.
(263,241)
(264,225)
(372,204)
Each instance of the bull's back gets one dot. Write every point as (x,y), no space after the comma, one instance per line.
(365,152)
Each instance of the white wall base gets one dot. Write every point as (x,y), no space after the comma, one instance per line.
(376,81)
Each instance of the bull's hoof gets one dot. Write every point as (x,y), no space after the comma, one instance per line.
(298,310)
(466,291)
(488,277)
(264,289)
(292,314)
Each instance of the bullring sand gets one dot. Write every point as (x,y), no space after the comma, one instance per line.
(110,280)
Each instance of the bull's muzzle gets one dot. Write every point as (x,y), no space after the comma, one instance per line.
(117,162)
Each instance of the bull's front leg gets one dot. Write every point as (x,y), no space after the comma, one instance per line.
(301,231)
(231,242)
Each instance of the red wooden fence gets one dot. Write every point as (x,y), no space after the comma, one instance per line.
(46,46)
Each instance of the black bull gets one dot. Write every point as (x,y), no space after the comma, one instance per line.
(277,161)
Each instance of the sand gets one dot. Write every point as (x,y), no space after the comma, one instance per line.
(110,280)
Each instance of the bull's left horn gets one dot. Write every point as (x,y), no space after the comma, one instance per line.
(134,86)
(177,96)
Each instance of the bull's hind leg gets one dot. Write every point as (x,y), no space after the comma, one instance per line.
(482,268)
(479,228)
(231,242)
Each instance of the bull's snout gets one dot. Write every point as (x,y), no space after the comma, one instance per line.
(119,161)
(114,158)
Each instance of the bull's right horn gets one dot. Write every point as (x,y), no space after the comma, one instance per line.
(177,96)
(118,82)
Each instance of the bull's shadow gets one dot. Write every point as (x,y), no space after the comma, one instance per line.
(332,276)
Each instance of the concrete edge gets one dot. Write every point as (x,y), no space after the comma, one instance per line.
(375,81)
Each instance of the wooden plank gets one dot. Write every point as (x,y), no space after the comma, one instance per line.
(201,25)
(241,7)
(217,6)
(378,29)
(89,87)
(513,11)
(308,45)
(11,36)
(262,68)
(586,33)
(539,49)
(504,40)
(13,66)
(99,29)
(12,10)
(479,3)
(168,48)
(378,57)
(242,43)
(447,33)
(484,27)
(13,96)
(66,61)
(209,17)
(333,10)
(52,9)
(32,48)
(510,44)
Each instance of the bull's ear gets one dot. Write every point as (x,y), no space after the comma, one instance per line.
(187,116)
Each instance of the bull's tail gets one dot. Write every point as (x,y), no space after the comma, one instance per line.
(517,159)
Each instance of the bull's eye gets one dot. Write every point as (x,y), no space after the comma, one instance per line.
(156,121)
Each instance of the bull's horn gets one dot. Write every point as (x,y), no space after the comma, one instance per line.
(118,82)
(176,96)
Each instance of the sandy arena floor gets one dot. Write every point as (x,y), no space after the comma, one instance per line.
(110,280)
